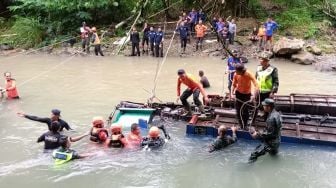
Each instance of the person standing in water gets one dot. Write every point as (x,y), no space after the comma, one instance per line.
(271,135)
(204,80)
(96,42)
(51,138)
(55,116)
(134,137)
(232,62)
(10,87)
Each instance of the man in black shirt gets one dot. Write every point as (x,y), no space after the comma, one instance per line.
(55,116)
(145,38)
(135,39)
(51,138)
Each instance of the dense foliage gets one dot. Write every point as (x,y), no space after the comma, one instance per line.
(39,22)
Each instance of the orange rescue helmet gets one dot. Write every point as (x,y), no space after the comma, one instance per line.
(116,128)
(98,121)
(154,132)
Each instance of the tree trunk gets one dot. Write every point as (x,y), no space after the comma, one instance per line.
(165,5)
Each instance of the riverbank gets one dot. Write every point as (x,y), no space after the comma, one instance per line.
(211,48)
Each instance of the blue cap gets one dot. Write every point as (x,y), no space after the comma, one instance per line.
(56,112)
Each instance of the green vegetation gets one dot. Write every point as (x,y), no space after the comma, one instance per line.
(42,22)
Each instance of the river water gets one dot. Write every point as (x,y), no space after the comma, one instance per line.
(83,87)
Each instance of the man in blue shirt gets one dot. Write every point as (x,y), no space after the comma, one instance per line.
(201,16)
(151,36)
(231,66)
(193,20)
(219,28)
(270,26)
(183,30)
(158,43)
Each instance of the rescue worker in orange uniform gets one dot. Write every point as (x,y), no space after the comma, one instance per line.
(194,88)
(241,91)
(10,87)
(96,42)
(98,133)
(200,29)
(117,139)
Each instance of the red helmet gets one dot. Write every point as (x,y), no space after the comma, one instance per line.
(154,132)
(102,135)
(116,128)
(98,122)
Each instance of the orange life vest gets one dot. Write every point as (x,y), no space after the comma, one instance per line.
(11,91)
(200,30)
(261,32)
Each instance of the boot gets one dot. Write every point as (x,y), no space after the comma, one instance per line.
(201,109)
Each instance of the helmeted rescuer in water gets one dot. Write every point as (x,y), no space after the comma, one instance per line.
(117,138)
(98,132)
(153,139)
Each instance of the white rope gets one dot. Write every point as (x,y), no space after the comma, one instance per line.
(47,71)
(26,53)
(161,65)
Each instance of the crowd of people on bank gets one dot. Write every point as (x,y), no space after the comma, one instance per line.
(150,40)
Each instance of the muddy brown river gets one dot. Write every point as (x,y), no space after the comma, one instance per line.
(83,87)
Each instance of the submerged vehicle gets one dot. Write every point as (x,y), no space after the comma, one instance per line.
(307,119)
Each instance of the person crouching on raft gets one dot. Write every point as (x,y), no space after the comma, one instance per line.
(223,140)
(64,153)
(10,87)
(194,88)
(153,140)
(98,133)
(117,139)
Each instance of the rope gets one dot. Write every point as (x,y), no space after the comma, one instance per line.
(159,68)
(49,70)
(129,32)
(25,53)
